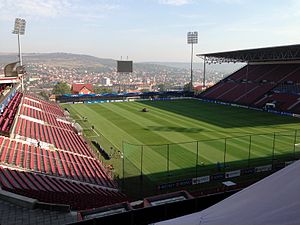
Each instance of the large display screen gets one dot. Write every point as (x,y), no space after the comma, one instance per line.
(124,66)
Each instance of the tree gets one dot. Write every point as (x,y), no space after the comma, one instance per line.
(187,87)
(144,90)
(61,88)
(162,87)
(44,94)
(100,90)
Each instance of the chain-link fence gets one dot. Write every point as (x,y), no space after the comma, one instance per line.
(149,165)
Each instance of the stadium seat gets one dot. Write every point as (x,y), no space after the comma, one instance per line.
(251,84)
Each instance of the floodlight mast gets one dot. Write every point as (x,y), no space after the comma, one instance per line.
(204,71)
(192,38)
(19,29)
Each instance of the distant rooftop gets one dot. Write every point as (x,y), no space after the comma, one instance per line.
(77,88)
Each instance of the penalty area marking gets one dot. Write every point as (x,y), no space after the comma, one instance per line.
(89,129)
(95,132)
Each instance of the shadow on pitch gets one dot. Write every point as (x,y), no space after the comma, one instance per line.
(137,185)
(220,115)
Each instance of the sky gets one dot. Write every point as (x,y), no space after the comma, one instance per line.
(148,30)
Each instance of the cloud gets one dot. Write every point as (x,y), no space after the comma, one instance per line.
(291,10)
(37,9)
(32,8)
(192,16)
(200,24)
(229,1)
(174,2)
(91,12)
(185,2)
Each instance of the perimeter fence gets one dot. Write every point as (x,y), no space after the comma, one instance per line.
(150,165)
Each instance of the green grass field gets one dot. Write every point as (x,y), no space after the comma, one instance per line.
(179,137)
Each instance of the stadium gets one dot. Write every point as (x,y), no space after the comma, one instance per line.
(104,155)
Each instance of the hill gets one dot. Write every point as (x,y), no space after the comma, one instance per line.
(74,61)
(95,64)
(226,67)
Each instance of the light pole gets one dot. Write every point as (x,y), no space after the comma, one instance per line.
(192,38)
(204,71)
(19,29)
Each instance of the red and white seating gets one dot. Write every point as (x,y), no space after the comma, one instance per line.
(9,112)
(251,84)
(58,190)
(48,160)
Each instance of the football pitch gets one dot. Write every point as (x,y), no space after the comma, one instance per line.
(180,136)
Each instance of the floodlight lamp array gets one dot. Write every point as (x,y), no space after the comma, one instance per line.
(19,26)
(192,37)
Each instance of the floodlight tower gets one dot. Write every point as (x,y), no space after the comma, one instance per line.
(192,38)
(19,29)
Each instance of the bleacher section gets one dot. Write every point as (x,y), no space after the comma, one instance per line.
(9,112)
(43,105)
(57,190)
(48,118)
(283,101)
(59,137)
(19,154)
(258,84)
(43,157)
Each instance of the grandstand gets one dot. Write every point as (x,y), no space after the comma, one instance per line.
(42,156)
(271,75)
